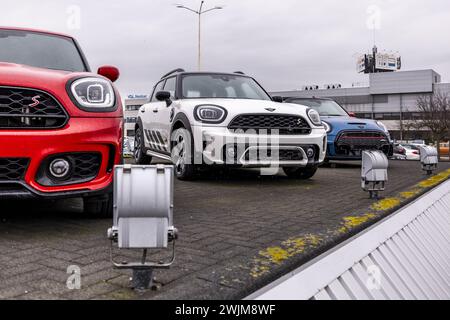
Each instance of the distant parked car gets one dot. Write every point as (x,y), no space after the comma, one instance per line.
(348,136)
(412,152)
(399,152)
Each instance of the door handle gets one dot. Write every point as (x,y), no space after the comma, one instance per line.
(155,110)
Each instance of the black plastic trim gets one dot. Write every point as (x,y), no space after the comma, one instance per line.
(39,128)
(42,174)
(28,193)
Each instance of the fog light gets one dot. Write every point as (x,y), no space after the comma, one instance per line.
(59,168)
(310,152)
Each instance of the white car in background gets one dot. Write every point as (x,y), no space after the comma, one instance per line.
(412,152)
(206,118)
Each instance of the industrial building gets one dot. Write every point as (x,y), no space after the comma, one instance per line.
(131,107)
(390,97)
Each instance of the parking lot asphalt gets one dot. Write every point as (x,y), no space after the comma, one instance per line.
(238,232)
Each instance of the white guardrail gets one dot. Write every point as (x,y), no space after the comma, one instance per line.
(404,256)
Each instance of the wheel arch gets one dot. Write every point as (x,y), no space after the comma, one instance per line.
(181,120)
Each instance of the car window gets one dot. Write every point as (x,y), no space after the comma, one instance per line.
(158,87)
(40,50)
(326,108)
(222,86)
(170,86)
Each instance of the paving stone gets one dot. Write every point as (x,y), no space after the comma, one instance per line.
(224,222)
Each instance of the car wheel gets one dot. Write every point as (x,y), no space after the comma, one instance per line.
(300,173)
(99,206)
(139,148)
(182,155)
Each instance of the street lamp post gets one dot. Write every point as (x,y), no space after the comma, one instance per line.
(199,12)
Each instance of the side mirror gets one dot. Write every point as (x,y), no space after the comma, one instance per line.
(164,96)
(352,114)
(110,72)
(277,99)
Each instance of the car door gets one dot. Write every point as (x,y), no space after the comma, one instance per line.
(151,118)
(165,114)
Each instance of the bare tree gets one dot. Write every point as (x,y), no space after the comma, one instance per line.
(435,116)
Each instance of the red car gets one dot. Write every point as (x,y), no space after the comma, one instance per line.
(60,125)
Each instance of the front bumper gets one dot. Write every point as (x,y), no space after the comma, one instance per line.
(102,136)
(211,144)
(352,150)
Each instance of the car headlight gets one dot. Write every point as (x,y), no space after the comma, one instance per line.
(210,114)
(327,126)
(382,126)
(314,116)
(93,94)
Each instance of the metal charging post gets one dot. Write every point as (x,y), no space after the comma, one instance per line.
(374,172)
(143,217)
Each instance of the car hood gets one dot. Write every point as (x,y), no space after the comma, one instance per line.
(350,123)
(19,75)
(241,106)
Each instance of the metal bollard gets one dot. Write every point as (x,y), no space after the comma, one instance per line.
(428,158)
(143,217)
(374,172)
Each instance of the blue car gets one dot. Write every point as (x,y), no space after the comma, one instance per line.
(348,136)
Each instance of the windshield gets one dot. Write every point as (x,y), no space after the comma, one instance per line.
(40,50)
(326,108)
(222,86)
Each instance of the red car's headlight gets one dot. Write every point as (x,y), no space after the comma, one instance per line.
(92,94)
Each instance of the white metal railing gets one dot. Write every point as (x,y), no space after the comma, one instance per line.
(405,256)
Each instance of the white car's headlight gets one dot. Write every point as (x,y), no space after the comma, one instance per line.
(314,116)
(327,126)
(210,114)
(93,93)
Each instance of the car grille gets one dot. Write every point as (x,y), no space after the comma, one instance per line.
(283,155)
(285,124)
(22,108)
(86,166)
(361,140)
(13,169)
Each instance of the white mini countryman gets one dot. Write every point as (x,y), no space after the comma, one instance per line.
(196,119)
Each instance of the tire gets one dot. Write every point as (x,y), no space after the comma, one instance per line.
(181,142)
(300,173)
(99,206)
(139,148)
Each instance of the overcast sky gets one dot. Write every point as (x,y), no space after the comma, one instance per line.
(283,43)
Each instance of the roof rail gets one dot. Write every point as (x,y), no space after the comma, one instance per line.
(239,72)
(171,72)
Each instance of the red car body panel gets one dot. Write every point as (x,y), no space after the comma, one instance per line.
(99,132)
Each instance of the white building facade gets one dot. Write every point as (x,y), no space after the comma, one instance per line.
(131,109)
(390,97)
